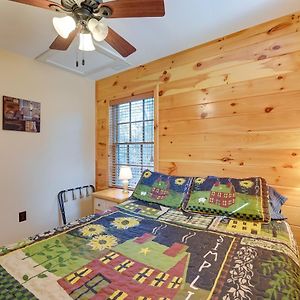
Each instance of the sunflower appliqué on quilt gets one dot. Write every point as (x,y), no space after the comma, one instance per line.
(102,242)
(92,230)
(125,222)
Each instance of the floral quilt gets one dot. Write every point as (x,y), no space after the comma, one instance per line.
(144,251)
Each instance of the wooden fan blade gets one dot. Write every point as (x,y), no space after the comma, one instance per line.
(119,43)
(63,44)
(136,8)
(38,3)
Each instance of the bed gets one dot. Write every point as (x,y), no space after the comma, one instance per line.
(175,238)
(142,250)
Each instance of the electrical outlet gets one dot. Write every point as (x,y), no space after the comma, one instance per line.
(22,216)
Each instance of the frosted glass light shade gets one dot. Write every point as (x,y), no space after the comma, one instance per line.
(98,29)
(86,42)
(92,23)
(64,26)
(125,173)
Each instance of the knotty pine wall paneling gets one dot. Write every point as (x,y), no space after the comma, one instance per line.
(230,107)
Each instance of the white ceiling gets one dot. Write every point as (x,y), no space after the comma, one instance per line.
(28,31)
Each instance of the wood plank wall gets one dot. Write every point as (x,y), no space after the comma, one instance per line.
(230,107)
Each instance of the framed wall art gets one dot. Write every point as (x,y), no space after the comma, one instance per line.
(21,115)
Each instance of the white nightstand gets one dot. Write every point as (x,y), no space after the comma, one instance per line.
(108,198)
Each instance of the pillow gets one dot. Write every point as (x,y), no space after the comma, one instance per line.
(240,198)
(163,189)
(276,201)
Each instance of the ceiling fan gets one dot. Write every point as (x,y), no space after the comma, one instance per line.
(86,18)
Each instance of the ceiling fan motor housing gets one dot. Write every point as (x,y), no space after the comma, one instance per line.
(88,9)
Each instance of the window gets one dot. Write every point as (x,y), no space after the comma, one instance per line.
(131,139)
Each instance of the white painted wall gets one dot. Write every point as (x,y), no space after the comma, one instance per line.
(34,167)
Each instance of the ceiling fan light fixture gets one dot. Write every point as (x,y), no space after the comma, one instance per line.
(86,42)
(98,29)
(78,2)
(64,26)
(92,23)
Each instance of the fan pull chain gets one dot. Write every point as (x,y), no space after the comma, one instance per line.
(83,60)
(77,62)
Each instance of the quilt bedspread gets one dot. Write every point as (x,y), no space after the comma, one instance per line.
(144,251)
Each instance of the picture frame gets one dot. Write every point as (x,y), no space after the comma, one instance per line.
(21,115)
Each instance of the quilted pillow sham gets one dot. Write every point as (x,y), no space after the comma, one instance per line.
(239,198)
(163,189)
